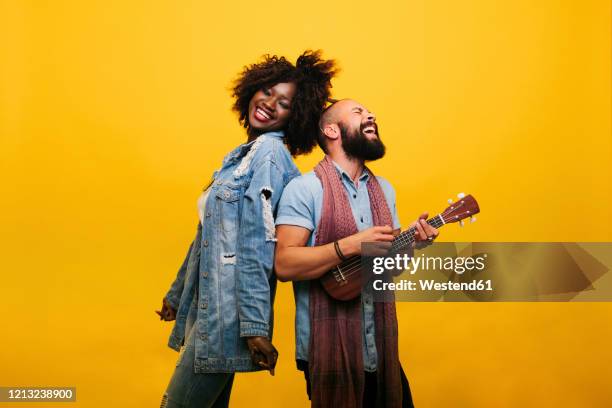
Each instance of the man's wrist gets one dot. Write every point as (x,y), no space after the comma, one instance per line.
(346,248)
(339,251)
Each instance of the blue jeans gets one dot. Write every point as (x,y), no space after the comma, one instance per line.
(190,390)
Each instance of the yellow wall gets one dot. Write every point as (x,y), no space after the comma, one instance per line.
(113,114)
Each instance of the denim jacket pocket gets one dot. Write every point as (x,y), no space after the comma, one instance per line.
(227,200)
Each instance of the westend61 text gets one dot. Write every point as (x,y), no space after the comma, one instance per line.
(432,285)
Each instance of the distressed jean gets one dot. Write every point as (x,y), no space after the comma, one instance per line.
(188,389)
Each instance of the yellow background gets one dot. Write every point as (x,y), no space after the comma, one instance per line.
(113,114)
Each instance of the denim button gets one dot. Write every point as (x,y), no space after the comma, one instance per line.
(204,305)
(208,213)
(205,274)
(226,194)
(205,243)
(203,336)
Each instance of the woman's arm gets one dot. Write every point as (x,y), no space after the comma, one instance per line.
(255,249)
(173,296)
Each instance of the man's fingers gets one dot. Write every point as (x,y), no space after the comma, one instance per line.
(379,248)
(418,221)
(385,229)
(426,228)
(385,237)
(420,231)
(430,231)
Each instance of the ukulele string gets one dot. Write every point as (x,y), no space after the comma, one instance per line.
(354,266)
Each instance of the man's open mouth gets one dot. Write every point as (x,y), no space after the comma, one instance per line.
(370,129)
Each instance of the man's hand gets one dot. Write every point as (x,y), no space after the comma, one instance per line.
(167,313)
(383,235)
(425,233)
(263,353)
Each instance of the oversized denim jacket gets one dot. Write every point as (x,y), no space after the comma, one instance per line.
(230,260)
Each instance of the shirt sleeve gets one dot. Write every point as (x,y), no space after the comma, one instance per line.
(296,205)
(255,249)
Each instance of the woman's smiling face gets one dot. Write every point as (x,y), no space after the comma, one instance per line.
(270,107)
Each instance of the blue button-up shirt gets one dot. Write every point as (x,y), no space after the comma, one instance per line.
(301,205)
(223,292)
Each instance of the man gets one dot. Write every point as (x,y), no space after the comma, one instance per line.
(347,350)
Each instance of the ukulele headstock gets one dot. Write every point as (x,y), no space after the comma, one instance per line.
(465,207)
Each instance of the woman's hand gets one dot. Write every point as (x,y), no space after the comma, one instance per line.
(263,353)
(167,313)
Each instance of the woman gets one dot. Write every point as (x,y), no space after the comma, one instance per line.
(222,296)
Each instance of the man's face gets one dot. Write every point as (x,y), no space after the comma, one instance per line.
(359,132)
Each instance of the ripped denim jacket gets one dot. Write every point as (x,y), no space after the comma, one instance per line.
(230,261)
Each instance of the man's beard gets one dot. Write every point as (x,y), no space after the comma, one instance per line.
(357,145)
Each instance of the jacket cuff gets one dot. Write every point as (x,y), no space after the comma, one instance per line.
(173,301)
(250,329)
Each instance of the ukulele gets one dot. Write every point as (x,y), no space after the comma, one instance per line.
(344,282)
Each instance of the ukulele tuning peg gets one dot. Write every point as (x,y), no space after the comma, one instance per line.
(461,223)
(472,219)
(461,195)
(450,200)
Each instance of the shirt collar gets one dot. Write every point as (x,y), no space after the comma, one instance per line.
(363,178)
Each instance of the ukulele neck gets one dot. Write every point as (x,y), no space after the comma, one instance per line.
(406,238)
